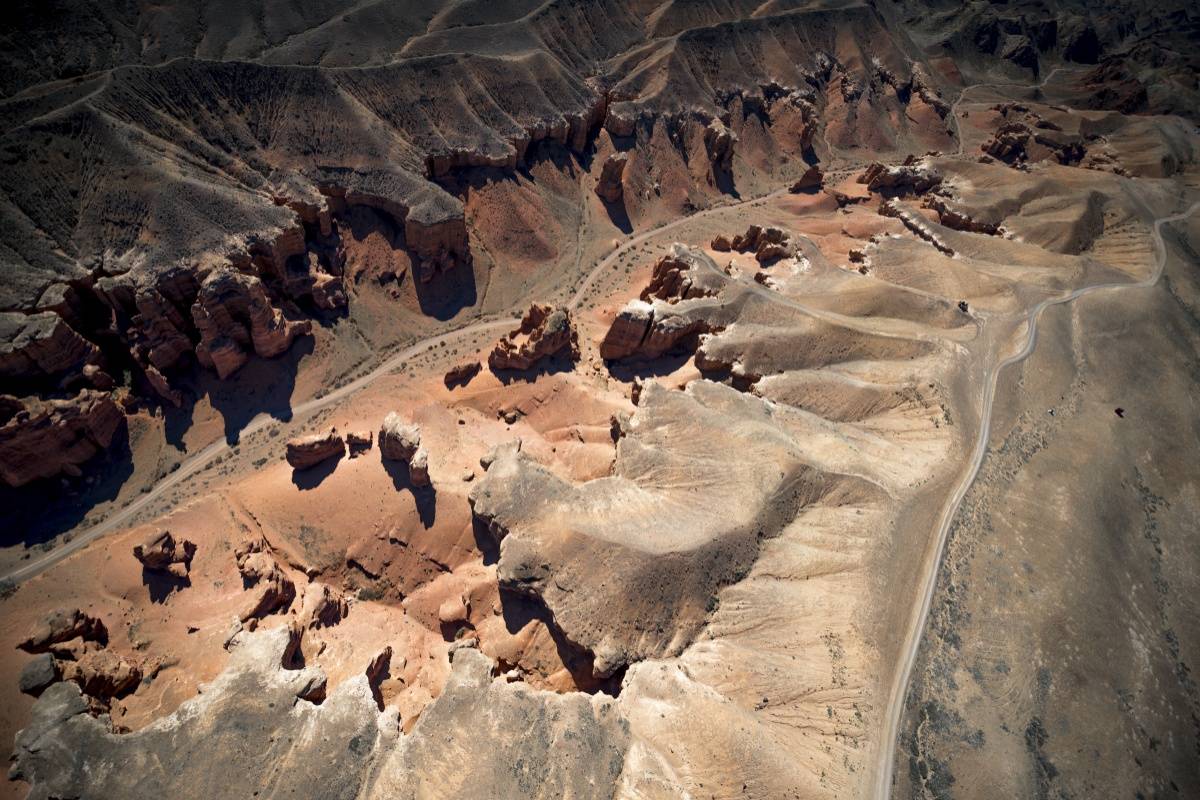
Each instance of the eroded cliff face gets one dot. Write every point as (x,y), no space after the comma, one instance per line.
(241,245)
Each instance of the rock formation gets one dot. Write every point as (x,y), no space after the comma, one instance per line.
(545,332)
(609,185)
(322,607)
(162,552)
(908,178)
(359,442)
(63,626)
(811,181)
(665,317)
(418,468)
(462,374)
(46,438)
(235,319)
(272,590)
(400,441)
(308,451)
(768,244)
(41,348)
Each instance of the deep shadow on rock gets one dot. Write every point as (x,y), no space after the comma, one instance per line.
(39,511)
(262,386)
(520,609)
(161,585)
(312,477)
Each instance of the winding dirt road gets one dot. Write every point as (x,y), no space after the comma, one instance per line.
(196,463)
(885,764)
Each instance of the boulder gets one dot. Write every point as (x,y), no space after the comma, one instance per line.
(39,673)
(308,451)
(161,552)
(545,331)
(418,468)
(462,374)
(323,606)
(398,440)
(359,442)
(628,330)
(103,674)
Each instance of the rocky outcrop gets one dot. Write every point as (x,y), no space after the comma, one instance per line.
(1025,136)
(103,675)
(661,320)
(811,181)
(545,332)
(304,452)
(230,738)
(272,589)
(609,186)
(46,438)
(235,319)
(915,223)
(323,606)
(768,244)
(628,330)
(462,374)
(677,276)
(63,626)
(719,142)
(400,441)
(41,349)
(1008,142)
(909,178)
(162,552)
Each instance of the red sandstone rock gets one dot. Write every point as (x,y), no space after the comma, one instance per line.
(628,330)
(609,187)
(307,451)
(41,347)
(162,552)
(235,318)
(810,181)
(45,438)
(323,606)
(398,440)
(273,589)
(462,374)
(545,331)
(62,626)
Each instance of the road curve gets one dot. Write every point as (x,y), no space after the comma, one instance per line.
(196,463)
(899,689)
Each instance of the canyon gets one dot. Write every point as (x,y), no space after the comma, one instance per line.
(600,399)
